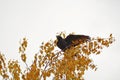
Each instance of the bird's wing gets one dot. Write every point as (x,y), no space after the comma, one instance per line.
(71,38)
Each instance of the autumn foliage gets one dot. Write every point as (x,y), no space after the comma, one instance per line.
(51,61)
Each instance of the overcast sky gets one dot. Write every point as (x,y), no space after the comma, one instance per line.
(40,20)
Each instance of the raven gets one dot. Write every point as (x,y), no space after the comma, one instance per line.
(63,44)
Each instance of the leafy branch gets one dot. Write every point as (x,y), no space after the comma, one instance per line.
(70,64)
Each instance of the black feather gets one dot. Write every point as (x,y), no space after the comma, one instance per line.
(70,38)
(63,44)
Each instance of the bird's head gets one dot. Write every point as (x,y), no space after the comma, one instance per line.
(59,37)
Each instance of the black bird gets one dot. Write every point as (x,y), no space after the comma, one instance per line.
(63,44)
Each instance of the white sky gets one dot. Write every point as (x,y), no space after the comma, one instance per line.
(40,20)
